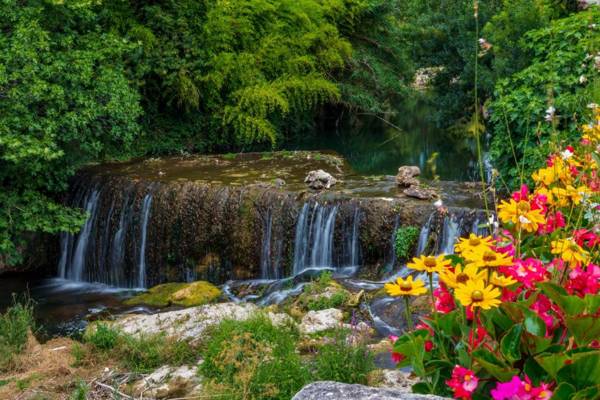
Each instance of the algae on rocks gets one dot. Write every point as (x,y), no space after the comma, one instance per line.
(178,294)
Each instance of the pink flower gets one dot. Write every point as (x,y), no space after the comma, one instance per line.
(517,389)
(396,357)
(528,272)
(542,308)
(582,282)
(553,222)
(588,237)
(463,382)
(444,301)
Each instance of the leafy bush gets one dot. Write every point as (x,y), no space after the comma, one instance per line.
(561,57)
(138,353)
(343,362)
(406,239)
(253,360)
(15,325)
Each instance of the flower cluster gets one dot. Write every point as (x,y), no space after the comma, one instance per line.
(515,313)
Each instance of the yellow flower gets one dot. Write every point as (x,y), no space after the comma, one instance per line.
(477,294)
(406,287)
(521,214)
(473,243)
(429,264)
(544,176)
(569,251)
(490,259)
(501,280)
(461,275)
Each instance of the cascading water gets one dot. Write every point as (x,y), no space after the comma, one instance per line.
(313,245)
(144,232)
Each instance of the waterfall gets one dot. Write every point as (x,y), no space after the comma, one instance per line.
(424,235)
(313,244)
(268,268)
(74,266)
(117,248)
(141,282)
(354,247)
(450,234)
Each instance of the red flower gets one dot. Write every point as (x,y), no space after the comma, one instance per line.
(582,282)
(463,382)
(586,236)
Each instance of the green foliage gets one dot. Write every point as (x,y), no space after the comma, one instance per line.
(406,238)
(80,392)
(559,60)
(65,100)
(142,353)
(343,362)
(15,324)
(253,360)
(336,300)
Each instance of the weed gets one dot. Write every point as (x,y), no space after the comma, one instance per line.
(322,303)
(15,324)
(139,353)
(81,391)
(343,362)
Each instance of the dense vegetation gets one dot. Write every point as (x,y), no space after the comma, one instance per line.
(82,81)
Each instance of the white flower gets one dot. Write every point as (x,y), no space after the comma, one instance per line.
(566,154)
(524,220)
(550,111)
(438,203)
(592,105)
(582,79)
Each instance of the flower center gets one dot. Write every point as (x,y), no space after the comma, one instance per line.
(477,295)
(489,256)
(406,286)
(430,262)
(462,278)
(474,241)
(527,387)
(523,207)
(467,378)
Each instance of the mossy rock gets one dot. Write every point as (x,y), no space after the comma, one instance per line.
(177,293)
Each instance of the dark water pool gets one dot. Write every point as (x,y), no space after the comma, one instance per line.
(64,308)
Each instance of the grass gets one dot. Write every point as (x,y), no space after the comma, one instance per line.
(253,360)
(136,353)
(337,299)
(342,362)
(15,325)
(80,392)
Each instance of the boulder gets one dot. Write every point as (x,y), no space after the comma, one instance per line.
(342,391)
(319,179)
(420,193)
(318,321)
(190,323)
(169,382)
(407,174)
(177,293)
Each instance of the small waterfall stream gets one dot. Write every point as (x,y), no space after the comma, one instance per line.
(141,283)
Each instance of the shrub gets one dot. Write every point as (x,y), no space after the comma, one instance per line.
(253,360)
(342,362)
(406,238)
(15,324)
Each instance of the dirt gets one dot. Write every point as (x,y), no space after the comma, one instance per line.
(47,371)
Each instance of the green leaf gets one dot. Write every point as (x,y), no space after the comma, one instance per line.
(510,345)
(533,323)
(583,328)
(493,365)
(564,391)
(552,363)
(584,371)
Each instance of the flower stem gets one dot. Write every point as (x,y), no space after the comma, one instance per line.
(409,321)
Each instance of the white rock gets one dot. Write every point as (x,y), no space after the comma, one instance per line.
(190,323)
(396,379)
(168,381)
(317,321)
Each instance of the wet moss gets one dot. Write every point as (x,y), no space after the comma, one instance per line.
(181,294)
